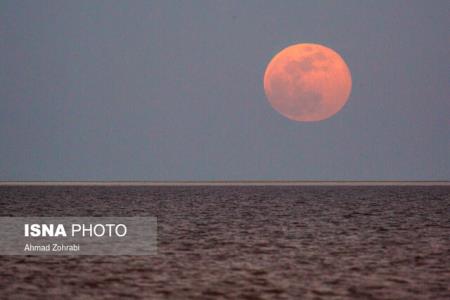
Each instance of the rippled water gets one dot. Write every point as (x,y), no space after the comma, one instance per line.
(246,243)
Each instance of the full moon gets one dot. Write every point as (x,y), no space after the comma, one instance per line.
(307,82)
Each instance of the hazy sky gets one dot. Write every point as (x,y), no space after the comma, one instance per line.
(172,90)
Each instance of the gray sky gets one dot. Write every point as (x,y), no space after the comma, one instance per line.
(172,90)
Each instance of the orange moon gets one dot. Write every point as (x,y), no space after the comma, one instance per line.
(307,82)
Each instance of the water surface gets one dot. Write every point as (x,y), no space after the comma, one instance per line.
(264,242)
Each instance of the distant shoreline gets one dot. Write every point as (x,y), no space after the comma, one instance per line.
(228,183)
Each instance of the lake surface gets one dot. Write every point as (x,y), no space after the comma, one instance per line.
(245,242)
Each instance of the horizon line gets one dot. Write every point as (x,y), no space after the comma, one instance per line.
(226,183)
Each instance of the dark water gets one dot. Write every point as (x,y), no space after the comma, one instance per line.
(246,243)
